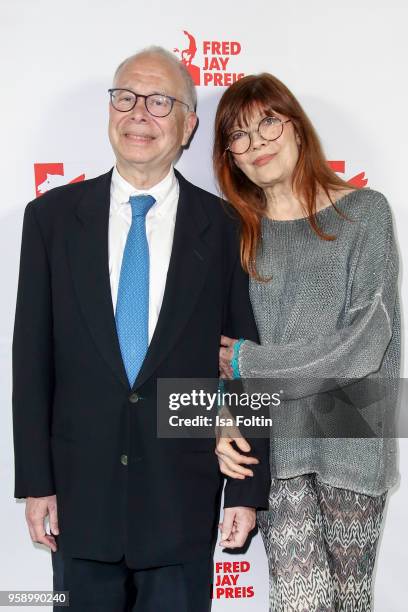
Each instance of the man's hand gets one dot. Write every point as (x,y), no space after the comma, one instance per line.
(237,524)
(37,509)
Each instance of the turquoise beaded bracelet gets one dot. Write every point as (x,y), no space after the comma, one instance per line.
(234,361)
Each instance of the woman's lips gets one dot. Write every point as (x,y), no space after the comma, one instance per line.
(263,159)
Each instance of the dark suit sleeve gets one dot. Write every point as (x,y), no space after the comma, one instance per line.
(33,366)
(240,323)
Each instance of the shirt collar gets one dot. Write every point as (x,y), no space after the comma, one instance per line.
(121,190)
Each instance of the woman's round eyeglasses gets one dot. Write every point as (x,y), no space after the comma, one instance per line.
(269,128)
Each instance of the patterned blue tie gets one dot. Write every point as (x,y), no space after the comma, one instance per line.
(132,306)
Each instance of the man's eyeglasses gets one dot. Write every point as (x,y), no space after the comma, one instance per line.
(269,128)
(158,105)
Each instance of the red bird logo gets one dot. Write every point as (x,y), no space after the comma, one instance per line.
(48,176)
(359,180)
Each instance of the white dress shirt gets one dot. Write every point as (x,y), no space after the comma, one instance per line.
(160,221)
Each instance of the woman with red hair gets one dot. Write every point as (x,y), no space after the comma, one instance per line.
(323,269)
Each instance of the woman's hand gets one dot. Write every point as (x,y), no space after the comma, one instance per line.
(226,355)
(231,462)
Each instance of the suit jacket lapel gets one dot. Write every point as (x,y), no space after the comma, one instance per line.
(88,253)
(188,267)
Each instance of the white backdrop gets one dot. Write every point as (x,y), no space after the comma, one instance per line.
(346,62)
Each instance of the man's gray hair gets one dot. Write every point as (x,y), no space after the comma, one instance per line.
(190,90)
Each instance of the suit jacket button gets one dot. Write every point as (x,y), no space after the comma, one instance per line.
(133,398)
(124,459)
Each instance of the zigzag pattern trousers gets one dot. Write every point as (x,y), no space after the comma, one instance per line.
(321,544)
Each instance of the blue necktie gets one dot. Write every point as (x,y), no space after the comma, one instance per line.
(132,306)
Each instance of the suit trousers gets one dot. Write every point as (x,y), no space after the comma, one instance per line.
(99,586)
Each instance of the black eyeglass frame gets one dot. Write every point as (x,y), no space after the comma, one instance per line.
(282,123)
(171,98)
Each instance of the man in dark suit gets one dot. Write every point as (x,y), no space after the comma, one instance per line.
(125,279)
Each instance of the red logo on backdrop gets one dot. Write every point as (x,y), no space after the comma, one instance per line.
(214,69)
(359,180)
(227,576)
(48,176)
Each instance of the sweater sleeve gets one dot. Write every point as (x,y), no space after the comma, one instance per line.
(356,349)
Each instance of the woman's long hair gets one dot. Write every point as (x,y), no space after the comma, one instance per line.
(312,172)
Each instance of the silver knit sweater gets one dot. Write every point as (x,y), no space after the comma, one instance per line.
(330,311)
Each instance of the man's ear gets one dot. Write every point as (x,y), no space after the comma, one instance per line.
(189,127)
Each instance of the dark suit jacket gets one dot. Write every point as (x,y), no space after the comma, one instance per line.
(75,415)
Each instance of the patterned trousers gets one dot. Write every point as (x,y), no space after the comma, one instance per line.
(321,544)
